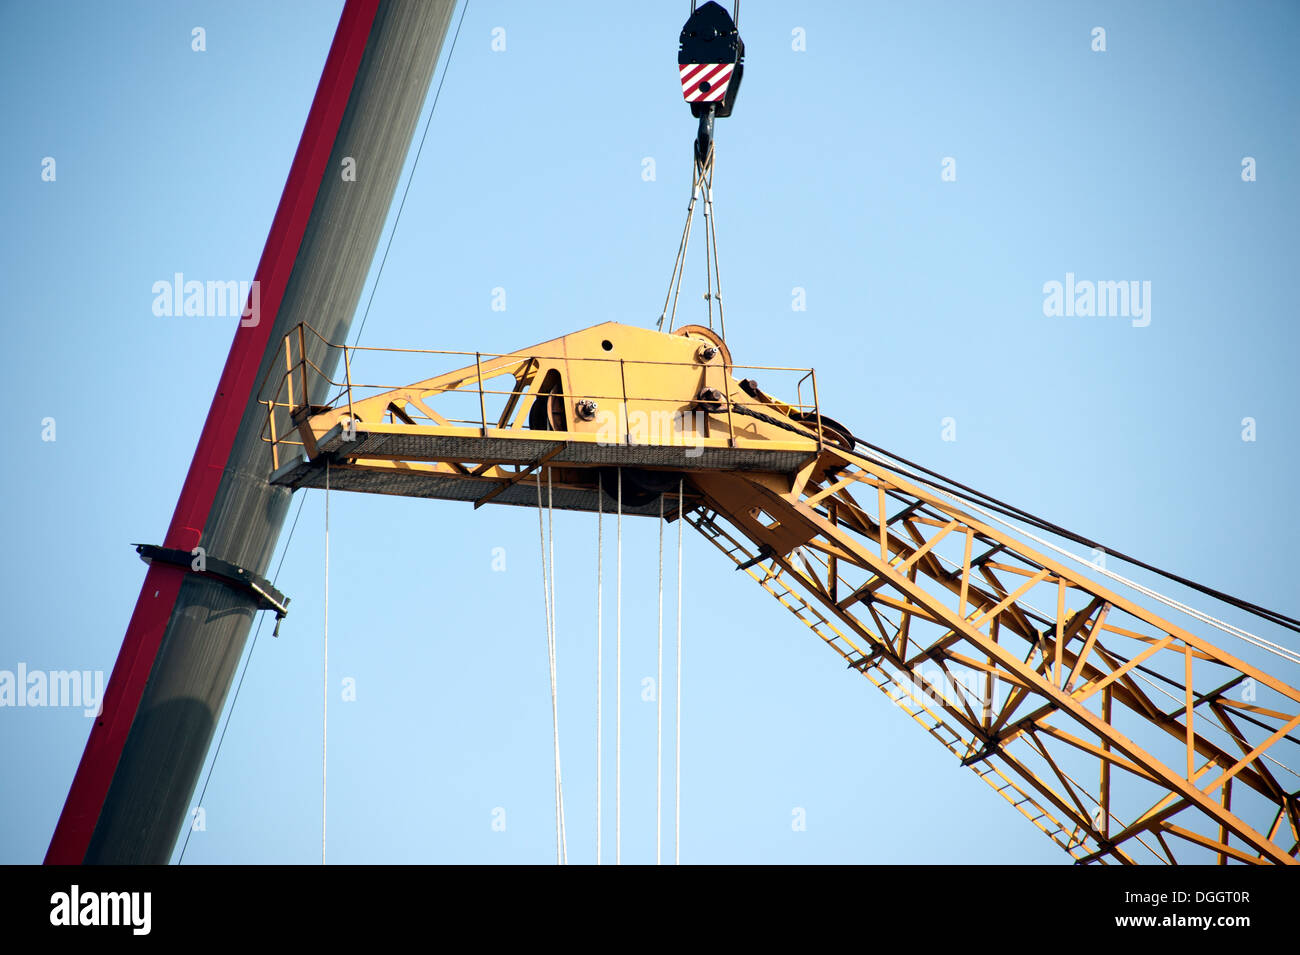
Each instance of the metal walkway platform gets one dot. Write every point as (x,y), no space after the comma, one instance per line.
(411,461)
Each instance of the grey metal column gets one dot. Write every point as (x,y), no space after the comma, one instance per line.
(148,799)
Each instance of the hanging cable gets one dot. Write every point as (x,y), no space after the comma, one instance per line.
(618,690)
(701,186)
(659,702)
(546,604)
(555,696)
(548,595)
(325,693)
(708,235)
(677,721)
(714,292)
(600,525)
(679,264)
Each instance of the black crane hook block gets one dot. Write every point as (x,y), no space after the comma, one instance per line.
(710,61)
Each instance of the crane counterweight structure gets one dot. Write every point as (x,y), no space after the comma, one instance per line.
(1121,735)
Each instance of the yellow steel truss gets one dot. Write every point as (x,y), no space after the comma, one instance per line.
(1121,735)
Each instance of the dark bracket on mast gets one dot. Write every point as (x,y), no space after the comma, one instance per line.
(232,575)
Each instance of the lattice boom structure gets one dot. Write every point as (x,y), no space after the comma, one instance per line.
(1122,736)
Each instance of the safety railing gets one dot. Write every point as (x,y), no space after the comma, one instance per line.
(297,385)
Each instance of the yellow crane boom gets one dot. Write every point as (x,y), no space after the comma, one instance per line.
(1121,735)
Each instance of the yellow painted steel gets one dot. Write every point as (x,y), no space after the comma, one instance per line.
(1119,734)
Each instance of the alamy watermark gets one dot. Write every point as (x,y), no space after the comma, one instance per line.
(933,685)
(672,428)
(191,298)
(79,688)
(1131,299)
(126,909)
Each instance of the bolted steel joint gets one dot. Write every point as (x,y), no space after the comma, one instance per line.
(706,354)
(586,409)
(709,399)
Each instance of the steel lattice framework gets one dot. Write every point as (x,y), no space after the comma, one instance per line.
(1046,684)
(1121,735)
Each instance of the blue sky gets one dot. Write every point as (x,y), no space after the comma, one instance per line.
(924,302)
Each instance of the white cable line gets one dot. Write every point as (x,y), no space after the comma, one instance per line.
(1136,672)
(1170,602)
(547,584)
(711,225)
(1250,638)
(659,703)
(325,686)
(618,691)
(546,607)
(1256,641)
(709,274)
(677,722)
(1182,702)
(679,266)
(600,530)
(555,695)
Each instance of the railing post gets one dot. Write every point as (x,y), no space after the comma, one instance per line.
(288,373)
(302,357)
(726,396)
(482,408)
(622,377)
(275,447)
(347,378)
(817,406)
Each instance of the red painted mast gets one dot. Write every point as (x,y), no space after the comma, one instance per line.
(220,506)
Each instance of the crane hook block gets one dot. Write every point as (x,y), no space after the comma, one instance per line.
(710,61)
